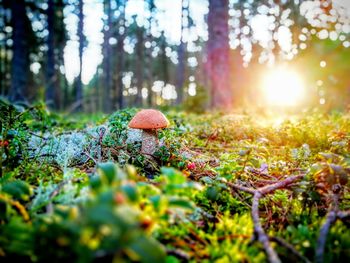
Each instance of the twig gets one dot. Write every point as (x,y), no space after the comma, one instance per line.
(343,215)
(281,184)
(259,231)
(178,253)
(101,134)
(321,242)
(42,155)
(289,247)
(241,188)
(39,136)
(49,207)
(330,219)
(90,157)
(257,195)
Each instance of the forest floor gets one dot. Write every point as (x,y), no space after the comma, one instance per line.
(220,188)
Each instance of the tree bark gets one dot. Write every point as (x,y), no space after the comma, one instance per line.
(51,77)
(139,64)
(2,72)
(60,43)
(7,66)
(79,90)
(218,55)
(20,58)
(180,74)
(164,58)
(119,99)
(107,79)
(148,55)
(2,47)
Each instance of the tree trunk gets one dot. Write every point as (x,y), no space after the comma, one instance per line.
(139,64)
(2,71)
(20,58)
(107,78)
(180,74)
(120,69)
(7,67)
(218,55)
(7,57)
(50,64)
(2,44)
(79,90)
(119,98)
(164,58)
(148,55)
(60,43)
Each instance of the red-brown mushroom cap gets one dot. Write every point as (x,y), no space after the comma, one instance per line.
(149,119)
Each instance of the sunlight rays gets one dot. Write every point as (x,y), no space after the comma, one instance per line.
(282,87)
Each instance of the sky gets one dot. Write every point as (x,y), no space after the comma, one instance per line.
(169,19)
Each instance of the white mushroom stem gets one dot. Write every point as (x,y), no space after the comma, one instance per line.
(149,141)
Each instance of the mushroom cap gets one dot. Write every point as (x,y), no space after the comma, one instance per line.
(149,119)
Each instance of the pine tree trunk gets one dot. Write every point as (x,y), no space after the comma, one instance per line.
(139,64)
(218,55)
(119,98)
(120,69)
(7,60)
(79,90)
(2,57)
(164,58)
(60,43)
(2,71)
(107,78)
(20,58)
(148,55)
(50,64)
(180,74)
(7,67)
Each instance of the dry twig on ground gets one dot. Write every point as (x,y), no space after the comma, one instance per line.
(258,193)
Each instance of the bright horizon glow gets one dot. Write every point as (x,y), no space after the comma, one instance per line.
(283,87)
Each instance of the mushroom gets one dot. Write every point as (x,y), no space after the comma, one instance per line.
(149,121)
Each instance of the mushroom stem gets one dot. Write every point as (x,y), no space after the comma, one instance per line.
(149,141)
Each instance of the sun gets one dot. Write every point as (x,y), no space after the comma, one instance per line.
(282,87)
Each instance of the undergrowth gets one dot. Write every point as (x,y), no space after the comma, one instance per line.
(108,202)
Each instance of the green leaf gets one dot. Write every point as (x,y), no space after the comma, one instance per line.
(148,249)
(212,193)
(17,189)
(172,259)
(95,182)
(174,176)
(108,171)
(181,202)
(131,192)
(156,201)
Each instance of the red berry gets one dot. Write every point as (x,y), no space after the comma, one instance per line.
(119,198)
(191,166)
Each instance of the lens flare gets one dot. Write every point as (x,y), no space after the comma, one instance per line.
(283,87)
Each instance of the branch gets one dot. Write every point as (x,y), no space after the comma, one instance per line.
(259,231)
(330,219)
(257,195)
(178,254)
(281,184)
(290,248)
(321,241)
(90,157)
(343,215)
(241,188)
